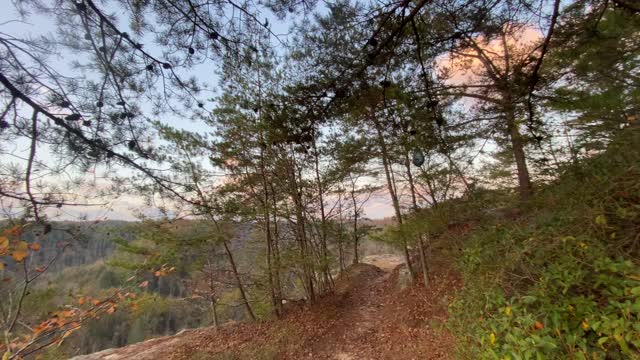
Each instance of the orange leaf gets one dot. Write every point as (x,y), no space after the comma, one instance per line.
(82,300)
(1,266)
(20,251)
(40,269)
(144,284)
(4,245)
(96,302)
(112,309)
(14,231)
(538,325)
(34,246)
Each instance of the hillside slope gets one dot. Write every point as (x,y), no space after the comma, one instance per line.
(367,317)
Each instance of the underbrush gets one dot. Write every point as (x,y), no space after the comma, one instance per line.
(560,279)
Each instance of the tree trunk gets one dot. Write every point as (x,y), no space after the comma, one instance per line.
(392,193)
(267,229)
(323,223)
(214,312)
(421,245)
(341,259)
(355,226)
(301,235)
(517,145)
(276,250)
(212,292)
(236,275)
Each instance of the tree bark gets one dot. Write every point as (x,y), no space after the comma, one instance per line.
(275,301)
(421,245)
(323,223)
(301,235)
(517,145)
(392,193)
(356,239)
(236,275)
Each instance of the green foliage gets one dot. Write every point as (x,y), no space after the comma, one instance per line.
(562,281)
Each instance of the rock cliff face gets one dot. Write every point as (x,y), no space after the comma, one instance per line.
(86,242)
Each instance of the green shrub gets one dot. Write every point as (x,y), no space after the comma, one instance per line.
(561,280)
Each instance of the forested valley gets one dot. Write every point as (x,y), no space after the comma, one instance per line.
(292,179)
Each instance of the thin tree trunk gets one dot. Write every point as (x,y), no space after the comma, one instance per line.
(301,234)
(276,250)
(267,228)
(214,311)
(355,226)
(421,245)
(517,144)
(340,232)
(323,224)
(236,275)
(212,294)
(392,193)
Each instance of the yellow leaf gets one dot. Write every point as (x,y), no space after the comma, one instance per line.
(1,266)
(4,245)
(584,325)
(507,310)
(601,220)
(6,355)
(492,338)
(34,246)
(20,251)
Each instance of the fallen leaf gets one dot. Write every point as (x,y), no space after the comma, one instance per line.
(144,284)
(34,246)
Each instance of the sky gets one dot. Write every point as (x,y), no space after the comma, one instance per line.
(126,207)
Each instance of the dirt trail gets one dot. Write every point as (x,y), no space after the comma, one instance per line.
(367,317)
